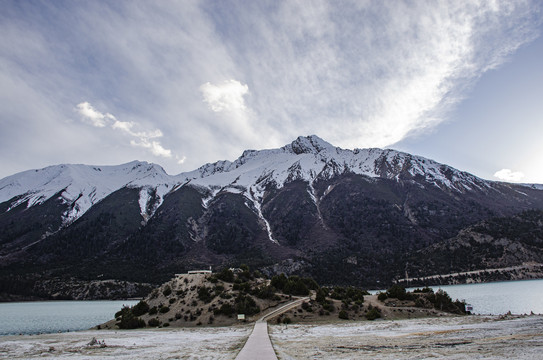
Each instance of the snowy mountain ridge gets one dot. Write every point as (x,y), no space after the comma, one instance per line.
(307,159)
(80,186)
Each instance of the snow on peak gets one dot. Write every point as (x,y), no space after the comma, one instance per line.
(307,158)
(308,145)
(80,186)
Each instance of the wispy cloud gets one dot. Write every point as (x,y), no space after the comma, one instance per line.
(219,77)
(142,139)
(94,117)
(509,175)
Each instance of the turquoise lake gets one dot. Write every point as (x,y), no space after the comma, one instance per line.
(54,316)
(518,297)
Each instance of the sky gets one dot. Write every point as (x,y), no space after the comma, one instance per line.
(184,83)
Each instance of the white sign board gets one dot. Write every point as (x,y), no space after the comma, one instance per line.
(241,316)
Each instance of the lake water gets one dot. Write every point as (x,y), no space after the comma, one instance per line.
(55,316)
(519,297)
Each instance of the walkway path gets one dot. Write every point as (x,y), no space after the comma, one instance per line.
(258,346)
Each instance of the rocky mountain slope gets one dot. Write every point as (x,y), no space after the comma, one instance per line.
(348,216)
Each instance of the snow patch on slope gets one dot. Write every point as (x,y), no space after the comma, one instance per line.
(307,159)
(82,186)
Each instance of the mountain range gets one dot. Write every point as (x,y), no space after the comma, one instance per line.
(361,217)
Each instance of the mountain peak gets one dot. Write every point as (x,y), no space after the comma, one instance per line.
(308,145)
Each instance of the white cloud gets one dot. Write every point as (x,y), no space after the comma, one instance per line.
(154,146)
(356,73)
(96,118)
(181,160)
(508,175)
(125,126)
(225,96)
(93,117)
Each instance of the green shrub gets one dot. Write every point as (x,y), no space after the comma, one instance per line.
(226,275)
(225,309)
(424,290)
(286,320)
(153,322)
(265,292)
(140,308)
(328,306)
(382,296)
(343,315)
(321,295)
(245,304)
(397,291)
(167,291)
(153,310)
(128,320)
(205,294)
(164,309)
(373,314)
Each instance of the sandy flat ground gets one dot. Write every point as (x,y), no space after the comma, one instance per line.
(473,337)
(187,343)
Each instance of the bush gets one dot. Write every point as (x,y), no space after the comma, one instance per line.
(328,306)
(128,320)
(322,293)
(164,309)
(205,294)
(226,275)
(279,281)
(245,304)
(153,310)
(140,308)
(153,322)
(167,291)
(343,315)
(286,320)
(382,296)
(225,309)
(424,290)
(265,292)
(373,314)
(398,292)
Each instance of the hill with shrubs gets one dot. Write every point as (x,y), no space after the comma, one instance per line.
(216,299)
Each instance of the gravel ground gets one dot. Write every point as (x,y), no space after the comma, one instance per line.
(193,343)
(471,337)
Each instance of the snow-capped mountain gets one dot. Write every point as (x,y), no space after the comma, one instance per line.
(82,186)
(306,207)
(307,159)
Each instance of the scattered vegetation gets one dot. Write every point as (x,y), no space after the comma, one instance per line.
(127,319)
(425,298)
(213,299)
